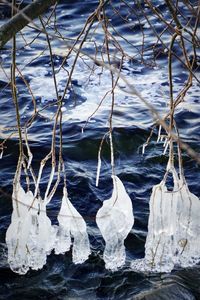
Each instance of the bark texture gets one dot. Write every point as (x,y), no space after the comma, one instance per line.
(22,18)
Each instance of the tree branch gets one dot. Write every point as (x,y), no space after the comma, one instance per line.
(22,18)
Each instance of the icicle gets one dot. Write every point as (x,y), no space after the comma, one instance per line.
(99,157)
(98,170)
(188,227)
(115,220)
(165,142)
(49,183)
(111,151)
(38,179)
(30,155)
(143,148)
(1,154)
(166,145)
(159,132)
(71,224)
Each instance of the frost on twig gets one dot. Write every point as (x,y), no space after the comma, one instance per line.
(71,225)
(115,220)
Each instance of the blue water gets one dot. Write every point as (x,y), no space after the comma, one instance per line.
(132,124)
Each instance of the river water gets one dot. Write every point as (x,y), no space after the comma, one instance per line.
(132,124)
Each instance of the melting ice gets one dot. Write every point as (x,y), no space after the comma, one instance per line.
(72,225)
(173,228)
(115,220)
(30,236)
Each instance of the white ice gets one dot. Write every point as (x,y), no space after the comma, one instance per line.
(115,220)
(173,228)
(30,236)
(72,225)
(188,227)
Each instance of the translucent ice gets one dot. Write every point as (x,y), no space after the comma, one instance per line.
(72,225)
(30,236)
(188,227)
(160,242)
(173,228)
(115,220)
(43,236)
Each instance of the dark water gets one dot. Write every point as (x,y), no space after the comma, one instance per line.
(60,278)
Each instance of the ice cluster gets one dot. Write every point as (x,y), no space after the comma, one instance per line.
(188,227)
(172,239)
(31,236)
(72,225)
(115,220)
(173,228)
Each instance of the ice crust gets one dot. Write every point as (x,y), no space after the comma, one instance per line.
(72,225)
(173,228)
(115,220)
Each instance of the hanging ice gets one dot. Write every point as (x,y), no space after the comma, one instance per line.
(115,220)
(160,242)
(30,236)
(17,235)
(43,236)
(72,225)
(188,227)
(173,228)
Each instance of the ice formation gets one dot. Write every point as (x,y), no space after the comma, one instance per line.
(71,225)
(115,220)
(30,236)
(173,228)
(160,242)
(188,227)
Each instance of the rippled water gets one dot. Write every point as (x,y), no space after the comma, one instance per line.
(132,122)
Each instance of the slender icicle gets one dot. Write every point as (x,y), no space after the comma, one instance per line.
(159,132)
(166,147)
(112,153)
(165,142)
(49,183)
(38,179)
(30,155)
(143,148)
(98,169)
